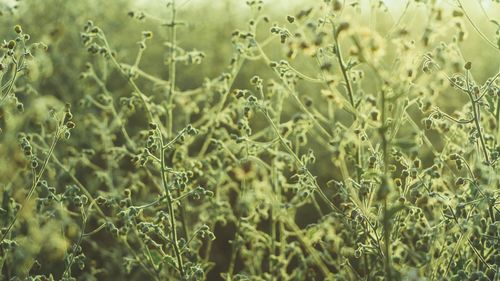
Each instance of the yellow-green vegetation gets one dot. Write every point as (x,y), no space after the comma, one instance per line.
(249,140)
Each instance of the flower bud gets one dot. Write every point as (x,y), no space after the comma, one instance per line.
(18,29)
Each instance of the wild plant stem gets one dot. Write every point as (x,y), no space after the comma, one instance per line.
(475,112)
(11,85)
(343,69)
(172,69)
(481,34)
(384,181)
(170,207)
(301,165)
(36,179)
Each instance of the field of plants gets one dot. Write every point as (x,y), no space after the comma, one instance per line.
(252,140)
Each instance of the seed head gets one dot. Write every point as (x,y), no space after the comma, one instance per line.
(70,124)
(428,123)
(20,107)
(18,29)
(11,45)
(147,34)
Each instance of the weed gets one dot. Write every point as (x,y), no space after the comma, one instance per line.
(318,146)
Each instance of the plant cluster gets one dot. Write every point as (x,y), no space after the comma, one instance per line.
(325,148)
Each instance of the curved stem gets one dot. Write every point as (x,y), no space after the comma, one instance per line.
(36,179)
(475,27)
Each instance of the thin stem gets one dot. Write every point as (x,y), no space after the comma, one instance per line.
(173,233)
(475,27)
(137,91)
(299,102)
(36,179)
(301,165)
(384,181)
(343,69)
(475,111)
(67,270)
(219,109)
(101,227)
(11,84)
(485,89)
(172,70)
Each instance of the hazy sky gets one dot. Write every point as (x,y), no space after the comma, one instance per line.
(395,7)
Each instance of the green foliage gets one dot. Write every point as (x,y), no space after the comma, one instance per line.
(187,140)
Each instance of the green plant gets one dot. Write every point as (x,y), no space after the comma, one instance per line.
(312,145)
